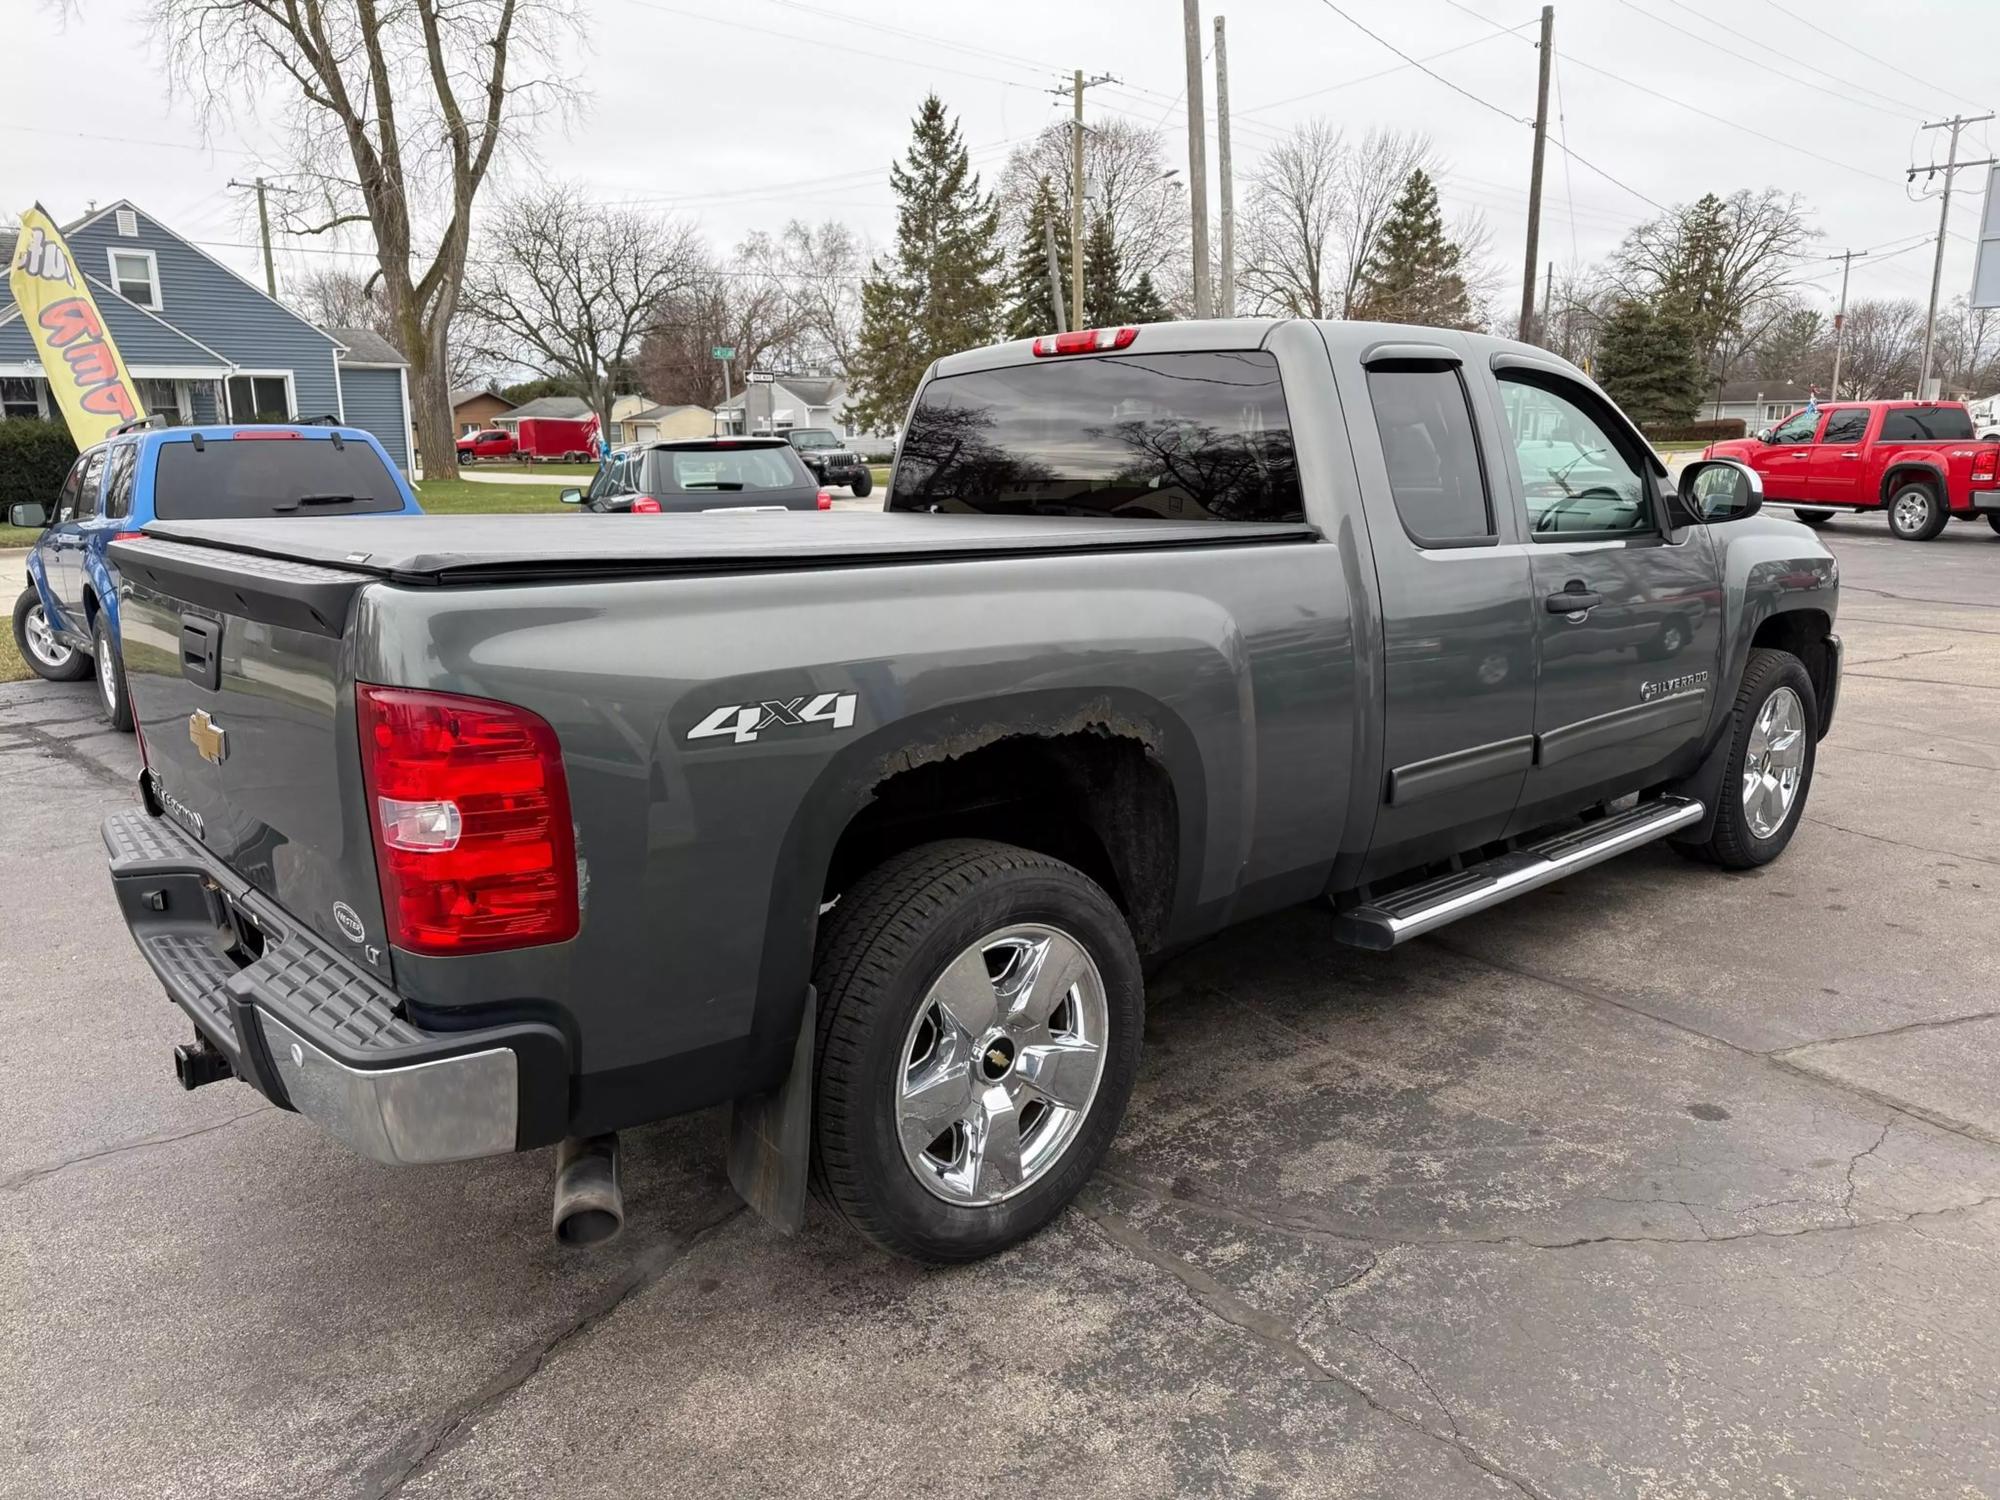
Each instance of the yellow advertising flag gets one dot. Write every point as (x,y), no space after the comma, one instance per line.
(85,373)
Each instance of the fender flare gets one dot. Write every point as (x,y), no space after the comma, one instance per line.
(1902,468)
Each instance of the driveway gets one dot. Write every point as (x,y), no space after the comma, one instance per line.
(1659,1182)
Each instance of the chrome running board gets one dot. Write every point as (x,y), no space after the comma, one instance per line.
(1384,922)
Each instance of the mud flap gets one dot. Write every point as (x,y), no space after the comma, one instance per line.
(770,1136)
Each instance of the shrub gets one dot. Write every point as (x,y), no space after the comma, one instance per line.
(34,457)
(1717,431)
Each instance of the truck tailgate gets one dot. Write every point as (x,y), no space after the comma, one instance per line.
(236,668)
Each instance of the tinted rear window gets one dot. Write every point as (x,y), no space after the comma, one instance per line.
(1921,424)
(1185,437)
(230,478)
(731,469)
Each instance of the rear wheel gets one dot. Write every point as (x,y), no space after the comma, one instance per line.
(1772,751)
(979,1027)
(1813,518)
(47,657)
(111,694)
(863,485)
(1916,513)
(1993,519)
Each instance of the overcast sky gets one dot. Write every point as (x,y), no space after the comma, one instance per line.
(743,113)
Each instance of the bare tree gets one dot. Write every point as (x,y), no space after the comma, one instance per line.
(1968,347)
(571,288)
(744,305)
(1879,358)
(1727,264)
(1127,177)
(821,268)
(1315,208)
(396,112)
(339,298)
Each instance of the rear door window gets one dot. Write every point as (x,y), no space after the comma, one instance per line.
(93,478)
(118,488)
(1424,419)
(1196,436)
(1927,424)
(1849,424)
(232,478)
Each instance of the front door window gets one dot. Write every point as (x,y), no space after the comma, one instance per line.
(1575,477)
(1797,428)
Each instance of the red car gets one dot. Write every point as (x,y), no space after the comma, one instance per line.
(493,442)
(1916,460)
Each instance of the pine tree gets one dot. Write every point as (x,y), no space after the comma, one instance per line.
(940,290)
(1415,274)
(1649,362)
(1029,308)
(1103,271)
(1144,304)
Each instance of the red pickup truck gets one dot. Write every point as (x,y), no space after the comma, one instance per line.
(1917,460)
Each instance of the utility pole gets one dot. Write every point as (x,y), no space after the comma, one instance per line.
(1951,165)
(1078,84)
(1548,301)
(263,231)
(1055,272)
(1527,329)
(1197,158)
(1847,259)
(1226,303)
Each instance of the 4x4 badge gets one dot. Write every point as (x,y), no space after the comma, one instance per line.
(210,739)
(743,722)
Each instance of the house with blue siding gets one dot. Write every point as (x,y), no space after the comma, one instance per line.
(204,344)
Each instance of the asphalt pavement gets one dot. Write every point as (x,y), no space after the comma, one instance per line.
(1658,1182)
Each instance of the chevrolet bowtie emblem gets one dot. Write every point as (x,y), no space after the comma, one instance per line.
(210,739)
(998,1057)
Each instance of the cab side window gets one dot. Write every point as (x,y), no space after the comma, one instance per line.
(1576,476)
(88,486)
(118,485)
(1431,449)
(1797,428)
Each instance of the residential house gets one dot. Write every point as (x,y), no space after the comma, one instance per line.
(375,391)
(651,424)
(202,342)
(1759,403)
(565,408)
(819,399)
(473,410)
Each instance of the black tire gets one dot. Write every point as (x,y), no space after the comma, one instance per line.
(78,664)
(1993,519)
(1734,844)
(880,951)
(112,699)
(1813,518)
(863,486)
(1916,498)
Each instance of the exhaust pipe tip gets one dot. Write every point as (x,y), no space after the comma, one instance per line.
(589,1204)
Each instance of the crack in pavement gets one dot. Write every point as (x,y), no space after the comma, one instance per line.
(1890,661)
(1847,1202)
(36,1174)
(66,751)
(1929,1024)
(1971,687)
(1883,838)
(390,1472)
(1223,1304)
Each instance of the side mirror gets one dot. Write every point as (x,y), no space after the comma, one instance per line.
(1720,489)
(571,497)
(1762,434)
(31,514)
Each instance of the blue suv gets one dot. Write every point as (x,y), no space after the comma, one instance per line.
(67,617)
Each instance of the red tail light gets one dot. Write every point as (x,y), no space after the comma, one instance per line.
(645,505)
(825,500)
(470,814)
(254,434)
(127,536)
(1985,462)
(1085,341)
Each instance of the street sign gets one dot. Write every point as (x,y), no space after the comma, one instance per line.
(760,377)
(721,351)
(1986,260)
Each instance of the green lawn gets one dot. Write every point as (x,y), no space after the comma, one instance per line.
(12,668)
(466,497)
(18,536)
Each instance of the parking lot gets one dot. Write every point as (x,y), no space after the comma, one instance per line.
(1659,1182)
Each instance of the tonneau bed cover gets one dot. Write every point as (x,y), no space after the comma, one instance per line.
(444,550)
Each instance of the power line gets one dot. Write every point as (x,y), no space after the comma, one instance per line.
(1873,57)
(1846,94)
(1428,72)
(1348,83)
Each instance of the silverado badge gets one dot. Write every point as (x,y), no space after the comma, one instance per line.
(209,738)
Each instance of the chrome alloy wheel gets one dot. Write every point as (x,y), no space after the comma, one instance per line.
(42,641)
(107,677)
(1912,510)
(1001,1064)
(1774,763)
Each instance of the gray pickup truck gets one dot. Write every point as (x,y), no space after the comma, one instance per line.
(473,835)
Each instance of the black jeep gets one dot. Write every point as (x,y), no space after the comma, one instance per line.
(829,462)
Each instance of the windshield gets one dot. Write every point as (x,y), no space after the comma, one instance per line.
(734,469)
(227,478)
(814,437)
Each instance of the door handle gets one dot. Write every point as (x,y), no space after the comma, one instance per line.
(1849,455)
(1574,599)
